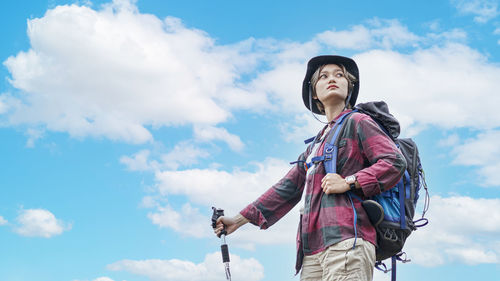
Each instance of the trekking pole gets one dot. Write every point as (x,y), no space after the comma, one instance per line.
(224,249)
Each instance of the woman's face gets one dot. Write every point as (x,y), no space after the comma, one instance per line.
(332,85)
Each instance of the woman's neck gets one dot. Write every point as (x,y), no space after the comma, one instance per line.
(333,111)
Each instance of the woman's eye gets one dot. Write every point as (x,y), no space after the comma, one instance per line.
(339,74)
(322,76)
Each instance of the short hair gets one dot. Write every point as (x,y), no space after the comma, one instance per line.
(351,79)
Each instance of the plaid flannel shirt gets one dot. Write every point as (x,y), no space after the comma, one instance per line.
(364,150)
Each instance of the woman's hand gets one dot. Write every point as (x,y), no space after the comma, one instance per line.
(334,183)
(231,224)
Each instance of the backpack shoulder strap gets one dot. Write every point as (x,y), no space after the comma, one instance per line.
(331,148)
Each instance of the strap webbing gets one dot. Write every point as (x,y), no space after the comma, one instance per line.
(355,220)
(309,140)
(402,215)
(393,268)
(331,149)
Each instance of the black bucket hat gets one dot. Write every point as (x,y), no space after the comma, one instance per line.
(318,61)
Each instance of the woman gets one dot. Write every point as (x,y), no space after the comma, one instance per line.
(331,244)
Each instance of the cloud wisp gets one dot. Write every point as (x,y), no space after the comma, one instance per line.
(483,10)
(3,221)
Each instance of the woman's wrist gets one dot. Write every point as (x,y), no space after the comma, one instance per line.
(240,220)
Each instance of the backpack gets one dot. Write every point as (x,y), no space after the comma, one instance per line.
(398,202)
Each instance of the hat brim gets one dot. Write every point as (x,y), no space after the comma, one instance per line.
(318,61)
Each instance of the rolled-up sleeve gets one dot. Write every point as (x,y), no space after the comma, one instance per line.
(278,200)
(387,163)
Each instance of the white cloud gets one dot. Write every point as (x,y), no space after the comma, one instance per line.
(477,151)
(3,104)
(450,141)
(188,222)
(484,10)
(380,34)
(185,153)
(454,35)
(99,279)
(482,151)
(447,86)
(303,126)
(205,186)
(178,270)
(281,83)
(3,221)
(209,133)
(103,279)
(115,71)
(33,135)
(460,230)
(138,162)
(39,223)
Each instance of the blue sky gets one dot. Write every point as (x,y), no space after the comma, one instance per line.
(122,122)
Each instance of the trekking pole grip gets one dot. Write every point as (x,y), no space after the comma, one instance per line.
(225,253)
(216,215)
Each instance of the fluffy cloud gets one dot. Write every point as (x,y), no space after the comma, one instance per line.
(178,270)
(115,71)
(483,152)
(483,10)
(39,223)
(461,229)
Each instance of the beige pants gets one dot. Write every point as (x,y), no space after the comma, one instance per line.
(341,262)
